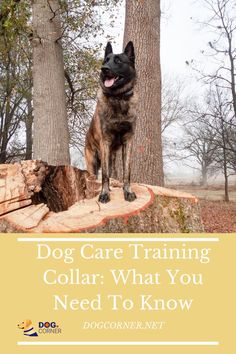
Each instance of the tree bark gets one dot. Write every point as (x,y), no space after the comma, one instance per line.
(50,133)
(36,197)
(28,127)
(142,26)
(225,169)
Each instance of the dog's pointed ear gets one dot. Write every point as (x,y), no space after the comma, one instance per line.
(129,51)
(108,49)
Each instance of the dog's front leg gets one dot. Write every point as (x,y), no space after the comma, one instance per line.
(126,157)
(104,196)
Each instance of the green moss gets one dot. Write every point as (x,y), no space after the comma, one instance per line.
(180,216)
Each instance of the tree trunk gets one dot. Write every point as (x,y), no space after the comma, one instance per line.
(226,180)
(51,134)
(36,197)
(28,127)
(204,177)
(231,53)
(5,138)
(225,159)
(142,26)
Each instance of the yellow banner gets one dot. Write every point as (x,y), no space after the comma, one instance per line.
(98,293)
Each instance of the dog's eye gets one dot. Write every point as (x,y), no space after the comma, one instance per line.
(117,60)
(106,60)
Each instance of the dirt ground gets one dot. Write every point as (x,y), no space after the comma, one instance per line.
(217,215)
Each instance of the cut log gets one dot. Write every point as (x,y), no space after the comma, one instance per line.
(38,198)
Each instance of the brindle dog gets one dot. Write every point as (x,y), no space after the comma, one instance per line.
(114,121)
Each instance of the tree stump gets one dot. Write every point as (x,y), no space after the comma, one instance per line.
(38,198)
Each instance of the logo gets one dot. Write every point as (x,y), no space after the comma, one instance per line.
(28,328)
(49,328)
(43,328)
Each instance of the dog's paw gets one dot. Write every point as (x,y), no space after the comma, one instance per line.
(129,196)
(104,198)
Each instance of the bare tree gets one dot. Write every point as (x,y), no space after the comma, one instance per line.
(51,134)
(174,103)
(222,23)
(220,117)
(174,113)
(142,26)
(200,145)
(210,135)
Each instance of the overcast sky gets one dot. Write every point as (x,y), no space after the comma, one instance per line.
(181,40)
(181,37)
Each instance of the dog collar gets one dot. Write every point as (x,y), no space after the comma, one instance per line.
(28,330)
(129,93)
(122,95)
